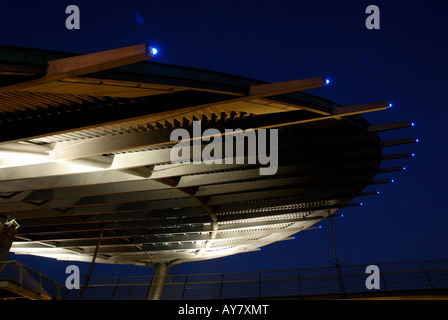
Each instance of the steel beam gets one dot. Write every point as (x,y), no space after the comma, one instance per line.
(173,193)
(389,126)
(85,64)
(168,223)
(277,88)
(361,108)
(392,143)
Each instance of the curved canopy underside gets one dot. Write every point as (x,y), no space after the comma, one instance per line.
(85,160)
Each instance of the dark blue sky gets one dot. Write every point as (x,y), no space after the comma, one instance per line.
(403,62)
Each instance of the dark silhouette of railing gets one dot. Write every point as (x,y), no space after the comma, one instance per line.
(416,277)
(23,277)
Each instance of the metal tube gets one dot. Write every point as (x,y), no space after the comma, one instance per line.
(337,264)
(86,283)
(158,282)
(185,285)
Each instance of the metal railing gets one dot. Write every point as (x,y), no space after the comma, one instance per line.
(29,279)
(417,276)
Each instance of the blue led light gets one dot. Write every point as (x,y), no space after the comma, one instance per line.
(392,180)
(154,51)
(404,168)
(412,124)
(342,216)
(361,204)
(390,105)
(377,192)
(413,155)
(327,81)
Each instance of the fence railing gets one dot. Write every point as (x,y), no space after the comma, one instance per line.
(29,279)
(431,276)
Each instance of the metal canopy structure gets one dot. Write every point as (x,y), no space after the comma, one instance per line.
(85,151)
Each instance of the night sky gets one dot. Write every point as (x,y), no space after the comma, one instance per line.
(403,62)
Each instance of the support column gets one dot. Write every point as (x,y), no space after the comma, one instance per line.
(158,282)
(7,233)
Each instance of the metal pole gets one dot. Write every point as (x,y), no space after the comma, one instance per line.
(185,285)
(58,291)
(427,276)
(115,289)
(86,282)
(21,274)
(158,282)
(220,288)
(337,264)
(40,284)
